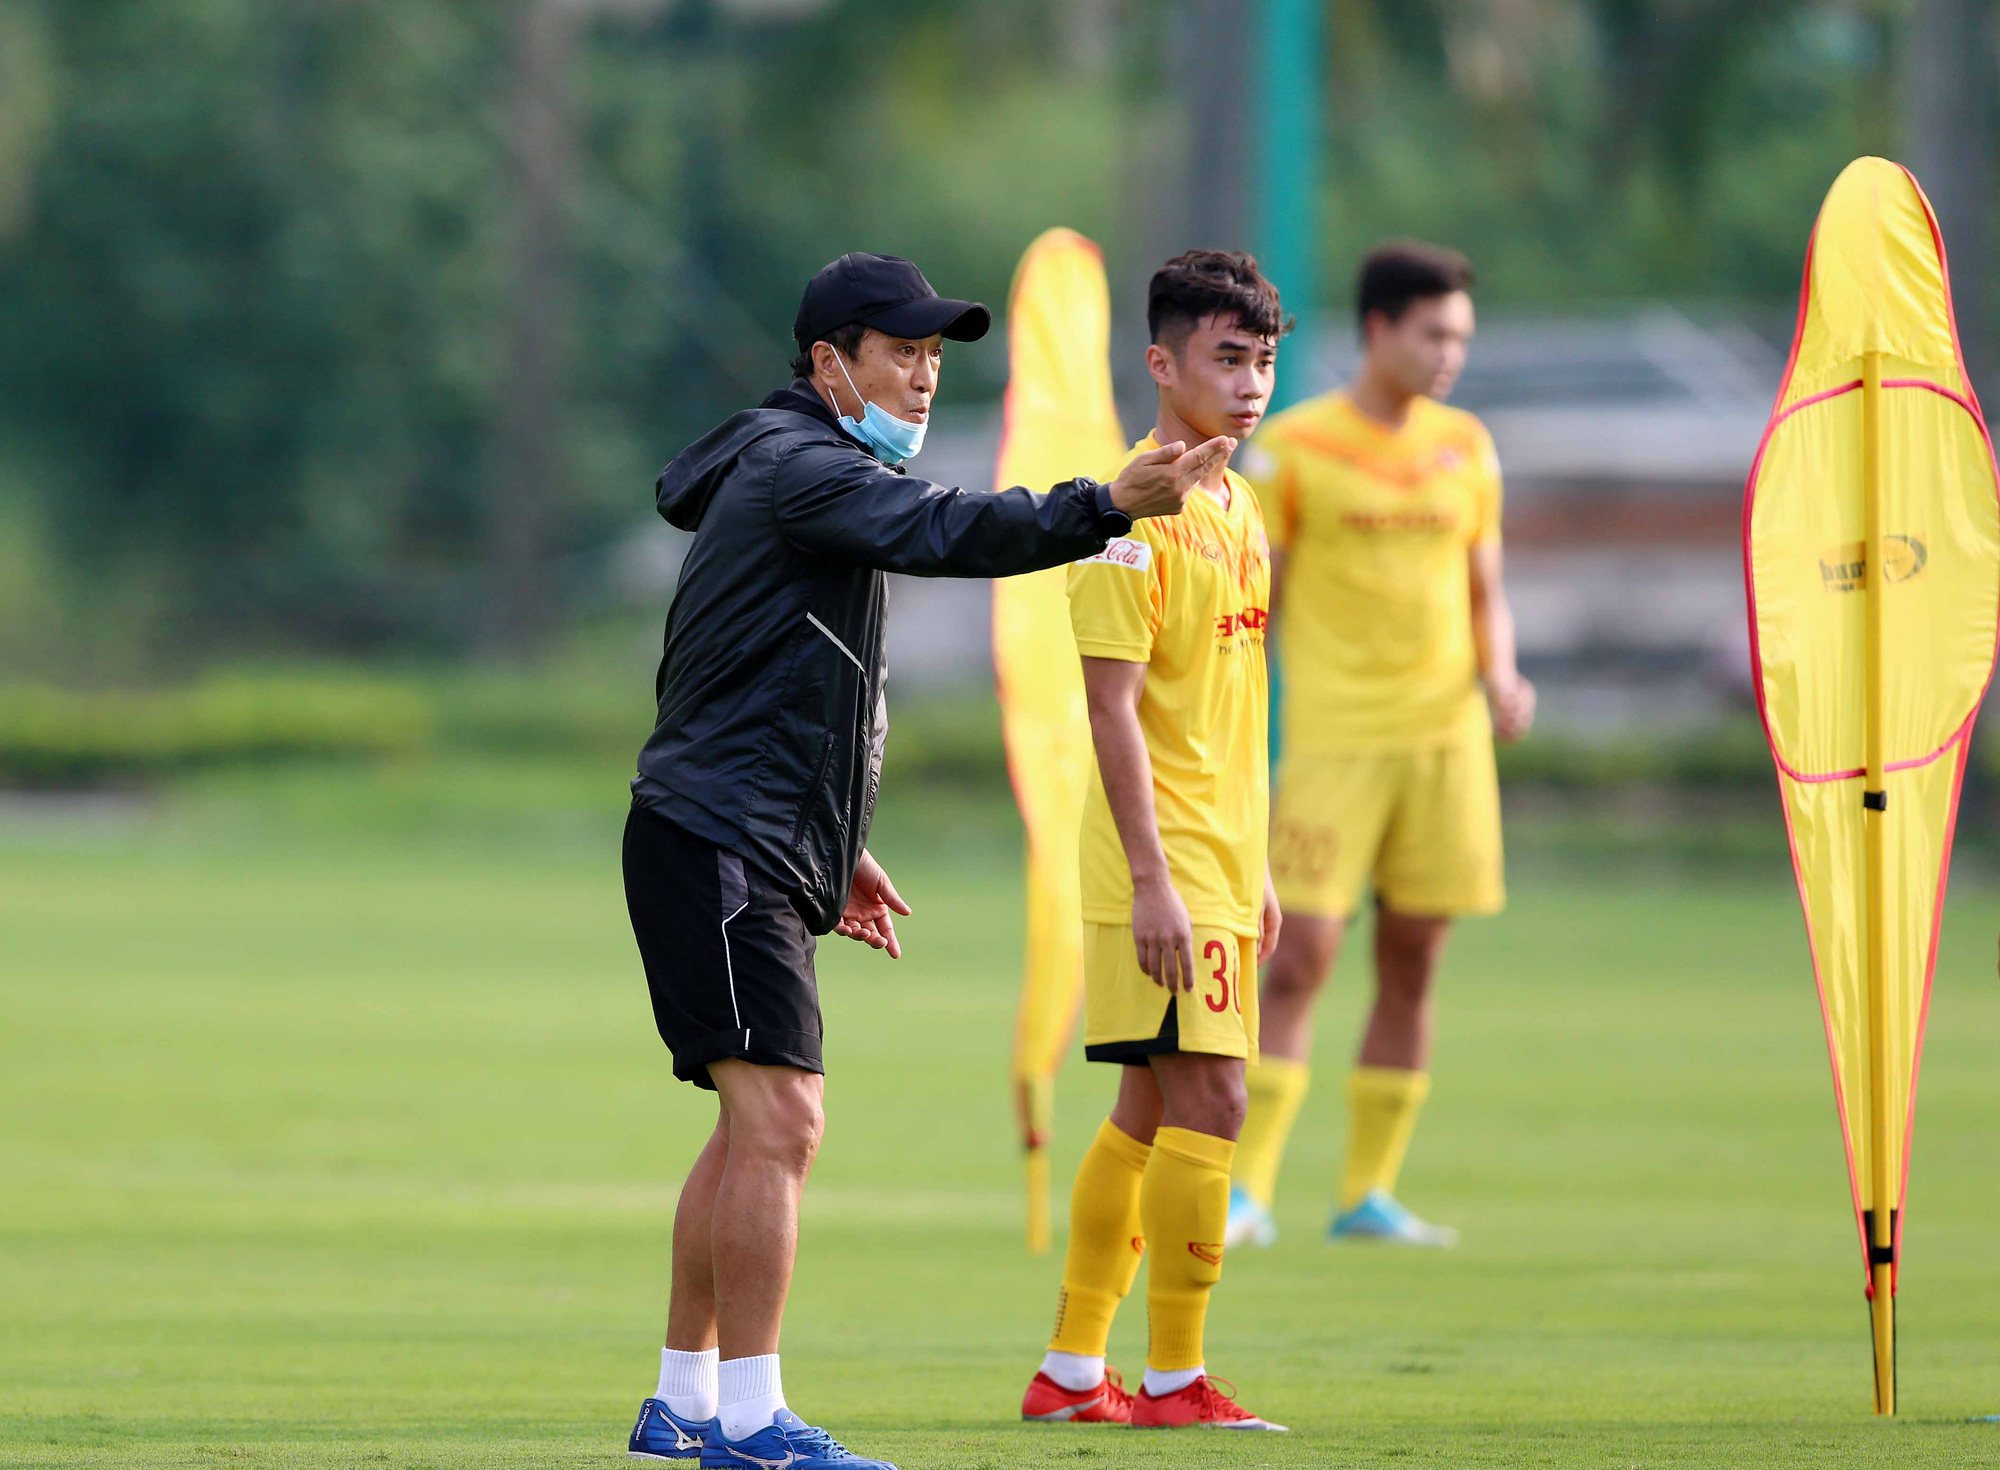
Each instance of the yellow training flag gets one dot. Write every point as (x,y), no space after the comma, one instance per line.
(1061,421)
(1871,548)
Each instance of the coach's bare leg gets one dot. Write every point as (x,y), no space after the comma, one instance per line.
(1202,1093)
(691,1314)
(1136,1114)
(775,1122)
(1407,950)
(1308,944)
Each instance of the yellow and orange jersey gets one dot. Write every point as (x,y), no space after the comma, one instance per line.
(1189,597)
(1376,524)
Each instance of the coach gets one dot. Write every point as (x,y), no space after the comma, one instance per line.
(750,813)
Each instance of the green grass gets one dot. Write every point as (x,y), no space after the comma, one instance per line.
(333,1132)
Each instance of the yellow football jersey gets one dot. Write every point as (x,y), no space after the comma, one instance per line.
(1375,626)
(1188,596)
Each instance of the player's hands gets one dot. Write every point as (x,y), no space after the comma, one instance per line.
(1163,934)
(870,902)
(1157,482)
(1513,704)
(1269,921)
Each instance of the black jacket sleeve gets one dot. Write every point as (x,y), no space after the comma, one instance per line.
(844,505)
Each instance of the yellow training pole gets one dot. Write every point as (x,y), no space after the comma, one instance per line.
(1038,1102)
(1881,1227)
(1038,1200)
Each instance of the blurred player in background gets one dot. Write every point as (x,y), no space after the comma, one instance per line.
(1177,904)
(1397,646)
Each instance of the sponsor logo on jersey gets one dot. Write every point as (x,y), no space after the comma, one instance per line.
(1123,552)
(1249,620)
(1399,520)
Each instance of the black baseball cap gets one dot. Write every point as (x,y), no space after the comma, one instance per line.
(887,293)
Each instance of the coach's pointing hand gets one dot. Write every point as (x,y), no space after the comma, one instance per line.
(1157,482)
(870,902)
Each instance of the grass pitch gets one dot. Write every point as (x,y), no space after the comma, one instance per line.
(333,1132)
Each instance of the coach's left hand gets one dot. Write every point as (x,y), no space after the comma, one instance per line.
(870,902)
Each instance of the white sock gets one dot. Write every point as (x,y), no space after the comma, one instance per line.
(1160,1382)
(751,1395)
(688,1383)
(1074,1371)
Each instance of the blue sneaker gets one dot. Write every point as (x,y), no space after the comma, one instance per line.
(789,1444)
(661,1434)
(1249,1222)
(1380,1217)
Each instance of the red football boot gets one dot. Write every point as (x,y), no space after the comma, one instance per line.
(1050,1403)
(1201,1405)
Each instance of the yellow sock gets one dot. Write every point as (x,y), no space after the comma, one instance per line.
(1277,1088)
(1106,1241)
(1185,1205)
(1382,1107)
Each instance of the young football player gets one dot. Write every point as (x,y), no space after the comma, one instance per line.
(1397,647)
(1177,904)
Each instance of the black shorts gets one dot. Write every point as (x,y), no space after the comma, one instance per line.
(728,959)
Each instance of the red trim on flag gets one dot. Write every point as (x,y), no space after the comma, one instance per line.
(1808,403)
(1750,591)
(1859,771)
(1798,326)
(1924,1008)
(1968,401)
(1950,309)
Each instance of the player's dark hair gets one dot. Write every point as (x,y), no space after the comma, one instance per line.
(1205,283)
(1402,271)
(847,339)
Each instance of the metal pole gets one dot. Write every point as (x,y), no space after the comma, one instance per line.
(1288,176)
(1875,816)
(1948,80)
(529,432)
(1214,71)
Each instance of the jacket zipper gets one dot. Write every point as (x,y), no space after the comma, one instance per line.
(812,792)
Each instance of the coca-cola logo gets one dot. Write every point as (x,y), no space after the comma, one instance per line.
(1124,552)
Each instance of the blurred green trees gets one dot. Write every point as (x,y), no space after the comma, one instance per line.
(262,279)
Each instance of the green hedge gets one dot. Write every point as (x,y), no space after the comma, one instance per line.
(52,736)
(1727,755)
(507,713)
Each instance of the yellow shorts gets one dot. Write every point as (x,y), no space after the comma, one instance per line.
(1128,1016)
(1424,824)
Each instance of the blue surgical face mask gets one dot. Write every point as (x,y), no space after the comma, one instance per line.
(893,440)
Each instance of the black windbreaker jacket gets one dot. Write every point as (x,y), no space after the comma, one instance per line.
(771,708)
